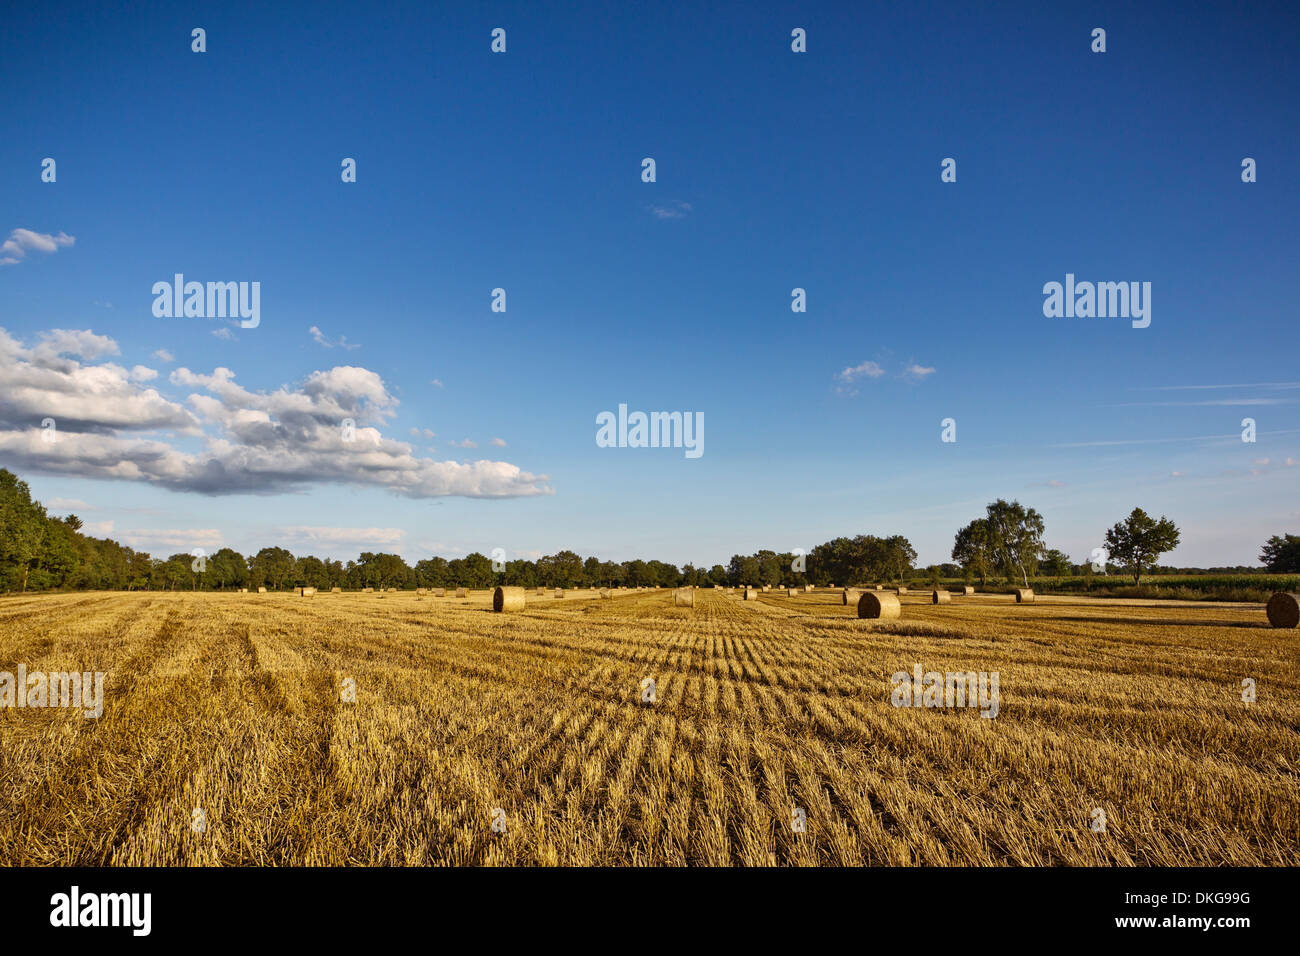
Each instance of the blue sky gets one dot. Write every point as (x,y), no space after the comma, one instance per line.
(775,170)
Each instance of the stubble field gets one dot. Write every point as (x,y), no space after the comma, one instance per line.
(231,704)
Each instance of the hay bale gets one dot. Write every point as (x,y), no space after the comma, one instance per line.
(461,592)
(751,594)
(1024,595)
(940,597)
(880,587)
(559,592)
(684,597)
(261,590)
(850,596)
(392,590)
(336,590)
(367,590)
(604,592)
(508,599)
(421,591)
(902,590)
(792,592)
(243,590)
(305,592)
(879,606)
(807,588)
(439,592)
(968,590)
(1284,610)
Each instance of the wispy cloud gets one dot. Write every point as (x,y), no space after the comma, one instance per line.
(499,442)
(673,209)
(22,241)
(163,355)
(462,444)
(917,373)
(1173,388)
(319,337)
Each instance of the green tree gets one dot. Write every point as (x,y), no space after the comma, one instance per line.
(1015,538)
(972,551)
(1281,554)
(1139,539)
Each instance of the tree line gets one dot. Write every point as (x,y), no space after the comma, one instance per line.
(42,552)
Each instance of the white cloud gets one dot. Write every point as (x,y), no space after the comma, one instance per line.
(180,539)
(917,373)
(437,382)
(847,377)
(97,529)
(319,337)
(499,442)
(163,355)
(67,504)
(331,537)
(673,209)
(462,444)
(22,241)
(224,334)
(251,442)
(140,373)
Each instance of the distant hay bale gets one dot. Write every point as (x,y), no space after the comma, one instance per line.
(751,594)
(541,590)
(367,590)
(261,590)
(439,592)
(508,599)
(1024,595)
(1284,610)
(305,592)
(243,590)
(850,596)
(940,597)
(461,592)
(882,606)
(336,590)
(767,587)
(684,597)
(968,590)
(880,587)
(392,590)
(792,592)
(807,588)
(421,591)
(559,592)
(902,590)
(604,592)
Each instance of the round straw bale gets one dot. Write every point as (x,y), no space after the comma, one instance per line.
(684,597)
(940,597)
(604,592)
(559,592)
(508,599)
(850,596)
(461,592)
(792,592)
(751,594)
(968,590)
(902,590)
(261,590)
(1284,609)
(882,605)
(1024,595)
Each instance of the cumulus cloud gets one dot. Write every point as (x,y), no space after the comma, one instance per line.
(845,380)
(22,241)
(466,443)
(140,373)
(163,355)
(499,442)
(251,442)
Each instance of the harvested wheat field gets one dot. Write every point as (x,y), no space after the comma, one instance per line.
(235,704)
